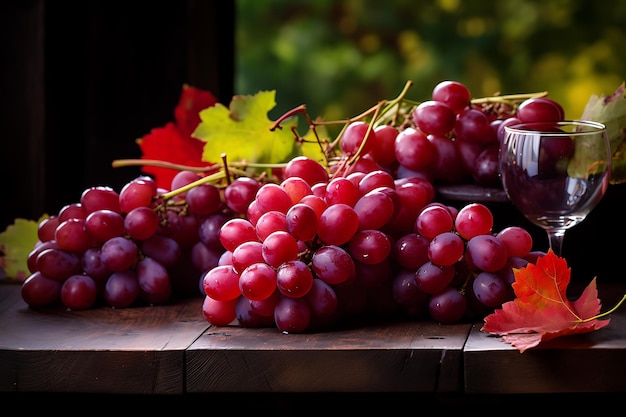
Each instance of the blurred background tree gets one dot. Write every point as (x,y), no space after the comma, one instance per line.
(342,57)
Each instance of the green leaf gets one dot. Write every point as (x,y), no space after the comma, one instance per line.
(611,111)
(243,132)
(16,242)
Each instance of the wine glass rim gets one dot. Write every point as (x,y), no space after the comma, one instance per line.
(526,127)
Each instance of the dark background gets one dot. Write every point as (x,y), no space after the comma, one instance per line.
(82,80)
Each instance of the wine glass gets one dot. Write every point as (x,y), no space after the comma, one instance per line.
(555,173)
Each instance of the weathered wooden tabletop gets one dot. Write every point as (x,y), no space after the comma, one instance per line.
(173,350)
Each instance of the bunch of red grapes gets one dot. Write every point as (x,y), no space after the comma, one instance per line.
(465,138)
(314,248)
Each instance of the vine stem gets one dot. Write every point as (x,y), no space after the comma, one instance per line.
(204,180)
(118,163)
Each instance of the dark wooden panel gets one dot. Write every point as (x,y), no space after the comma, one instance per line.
(391,357)
(134,350)
(93,371)
(118,74)
(22,110)
(591,362)
(81,81)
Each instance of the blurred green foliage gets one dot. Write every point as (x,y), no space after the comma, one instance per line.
(341,57)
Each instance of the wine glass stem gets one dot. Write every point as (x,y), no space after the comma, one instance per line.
(555,237)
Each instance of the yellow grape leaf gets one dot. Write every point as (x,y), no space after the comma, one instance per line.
(242,132)
(16,242)
(611,111)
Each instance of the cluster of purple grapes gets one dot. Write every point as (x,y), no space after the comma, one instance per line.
(126,248)
(465,267)
(464,138)
(304,241)
(314,251)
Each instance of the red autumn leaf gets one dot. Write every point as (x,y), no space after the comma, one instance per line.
(187,112)
(541,310)
(173,142)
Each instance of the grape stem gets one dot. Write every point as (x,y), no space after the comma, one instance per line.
(380,112)
(297,110)
(204,180)
(119,163)
(224,171)
(370,127)
(225,165)
(509,98)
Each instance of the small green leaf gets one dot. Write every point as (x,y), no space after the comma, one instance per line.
(243,132)
(17,241)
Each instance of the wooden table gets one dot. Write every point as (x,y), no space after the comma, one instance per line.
(591,362)
(172,350)
(135,350)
